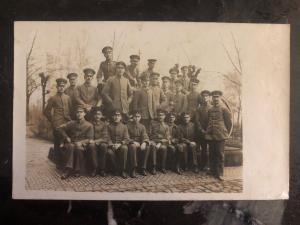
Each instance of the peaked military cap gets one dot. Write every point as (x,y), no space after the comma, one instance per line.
(184,67)
(166,78)
(121,63)
(106,48)
(185,114)
(173,70)
(195,81)
(178,82)
(135,57)
(80,108)
(96,109)
(88,71)
(172,113)
(70,75)
(145,77)
(135,112)
(216,93)
(154,75)
(116,112)
(61,81)
(205,92)
(161,111)
(152,60)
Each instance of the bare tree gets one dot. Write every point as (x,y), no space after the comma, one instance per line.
(32,83)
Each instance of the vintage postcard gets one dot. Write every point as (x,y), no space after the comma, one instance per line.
(151,111)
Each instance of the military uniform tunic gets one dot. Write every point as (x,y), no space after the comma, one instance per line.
(133,74)
(71,92)
(137,132)
(118,133)
(86,95)
(193,101)
(180,103)
(159,131)
(106,70)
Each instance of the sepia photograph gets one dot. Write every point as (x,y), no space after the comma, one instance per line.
(150,110)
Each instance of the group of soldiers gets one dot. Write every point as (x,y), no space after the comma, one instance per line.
(136,122)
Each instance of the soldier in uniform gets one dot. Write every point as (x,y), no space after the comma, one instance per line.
(117,91)
(218,128)
(193,98)
(158,96)
(144,103)
(187,138)
(57,111)
(185,78)
(176,155)
(180,99)
(166,82)
(139,143)
(71,90)
(120,139)
(132,72)
(150,69)
(77,135)
(173,75)
(107,68)
(98,149)
(160,139)
(201,122)
(87,94)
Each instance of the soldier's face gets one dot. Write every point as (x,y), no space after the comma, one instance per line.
(184,71)
(145,83)
(98,116)
(151,65)
(60,88)
(161,117)
(205,98)
(117,118)
(80,114)
(73,81)
(108,54)
(88,78)
(137,118)
(134,62)
(154,81)
(173,75)
(187,118)
(216,99)
(166,84)
(120,70)
(172,119)
(178,87)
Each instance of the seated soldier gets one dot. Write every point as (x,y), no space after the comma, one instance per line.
(139,140)
(120,138)
(160,138)
(77,135)
(187,142)
(175,154)
(97,150)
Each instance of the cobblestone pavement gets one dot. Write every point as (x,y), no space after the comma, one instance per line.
(41,174)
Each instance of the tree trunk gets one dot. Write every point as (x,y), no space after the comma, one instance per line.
(27,108)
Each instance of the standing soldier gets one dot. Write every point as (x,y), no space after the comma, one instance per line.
(160,138)
(187,142)
(57,111)
(77,136)
(133,73)
(193,98)
(201,122)
(117,91)
(87,94)
(139,143)
(158,95)
(144,103)
(185,78)
(166,82)
(107,68)
(180,99)
(97,151)
(151,65)
(173,75)
(176,155)
(71,91)
(120,138)
(219,125)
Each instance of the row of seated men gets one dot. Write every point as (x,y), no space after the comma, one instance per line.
(93,142)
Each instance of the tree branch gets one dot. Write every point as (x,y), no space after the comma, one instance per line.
(238,53)
(31,48)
